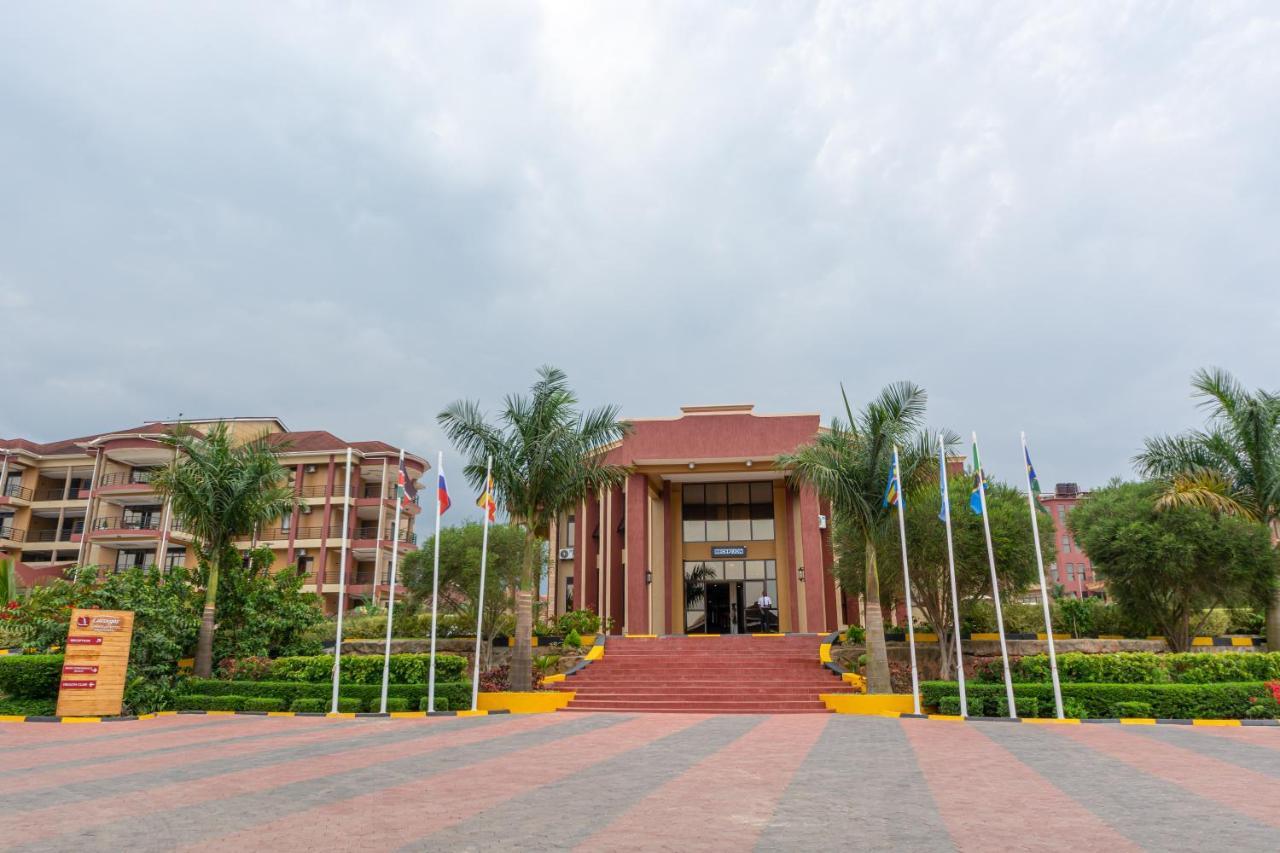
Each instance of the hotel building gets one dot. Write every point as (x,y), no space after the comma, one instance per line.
(88,501)
(705,526)
(1071,568)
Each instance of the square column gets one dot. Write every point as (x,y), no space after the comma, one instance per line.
(812,591)
(637,621)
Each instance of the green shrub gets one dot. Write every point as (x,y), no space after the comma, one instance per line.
(28,707)
(1073,709)
(855,635)
(351,705)
(457,694)
(1028,706)
(1139,668)
(951,705)
(442,704)
(263,703)
(398,703)
(192,702)
(367,669)
(581,621)
(1132,710)
(309,705)
(1172,701)
(572,640)
(30,676)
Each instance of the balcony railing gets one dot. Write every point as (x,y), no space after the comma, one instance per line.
(16,490)
(120,523)
(57,494)
(372,533)
(321,491)
(13,534)
(57,535)
(335,532)
(124,478)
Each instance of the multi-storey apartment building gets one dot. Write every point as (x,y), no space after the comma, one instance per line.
(88,501)
(1071,568)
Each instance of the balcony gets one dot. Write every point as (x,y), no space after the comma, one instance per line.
(16,492)
(372,533)
(126,527)
(60,494)
(320,491)
(283,533)
(67,535)
(13,534)
(125,481)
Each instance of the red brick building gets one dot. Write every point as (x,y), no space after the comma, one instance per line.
(1071,568)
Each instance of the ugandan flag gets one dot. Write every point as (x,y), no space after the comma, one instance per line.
(486,500)
(404,486)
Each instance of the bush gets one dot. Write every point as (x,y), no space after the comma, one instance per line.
(582,621)
(442,704)
(1132,710)
(456,693)
(1027,706)
(367,669)
(572,640)
(1138,668)
(263,703)
(30,676)
(396,703)
(245,669)
(496,680)
(951,705)
(1171,701)
(309,705)
(1073,709)
(855,635)
(28,707)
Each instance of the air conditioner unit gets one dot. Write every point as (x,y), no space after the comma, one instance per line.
(310,469)
(566,553)
(822,522)
(305,509)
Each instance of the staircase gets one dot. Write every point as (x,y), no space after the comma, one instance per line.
(738,674)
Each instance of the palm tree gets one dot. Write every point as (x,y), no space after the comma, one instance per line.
(1232,466)
(547,457)
(221,491)
(849,464)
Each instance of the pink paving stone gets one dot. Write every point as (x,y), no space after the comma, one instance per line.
(48,734)
(1230,785)
(452,796)
(728,795)
(1266,737)
(974,781)
(60,820)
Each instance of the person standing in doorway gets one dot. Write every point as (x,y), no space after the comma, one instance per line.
(765,605)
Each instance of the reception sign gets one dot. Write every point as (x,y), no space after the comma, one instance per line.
(95,662)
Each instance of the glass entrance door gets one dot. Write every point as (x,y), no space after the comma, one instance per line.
(730,596)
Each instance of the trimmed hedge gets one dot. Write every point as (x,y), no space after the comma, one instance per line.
(395,703)
(367,669)
(457,694)
(264,703)
(30,676)
(1140,668)
(28,707)
(1228,701)
(442,704)
(311,705)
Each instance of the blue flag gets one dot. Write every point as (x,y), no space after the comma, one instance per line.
(979,484)
(893,491)
(945,508)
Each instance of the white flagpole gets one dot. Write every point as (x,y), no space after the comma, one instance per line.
(391,593)
(1044,593)
(951,567)
(484,561)
(906,582)
(342,585)
(435,593)
(995,584)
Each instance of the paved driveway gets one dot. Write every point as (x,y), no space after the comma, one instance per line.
(624,782)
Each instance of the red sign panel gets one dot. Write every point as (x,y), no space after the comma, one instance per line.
(84,641)
(80,670)
(79,685)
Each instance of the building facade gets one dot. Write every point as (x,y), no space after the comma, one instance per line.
(88,501)
(706,536)
(1071,568)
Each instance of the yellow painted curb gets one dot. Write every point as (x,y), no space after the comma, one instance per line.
(1242,641)
(702,635)
(596,653)
(12,718)
(868,704)
(1215,722)
(1111,636)
(554,679)
(1137,721)
(770,634)
(405,715)
(280,713)
(74,720)
(525,703)
(332,716)
(1051,721)
(1057,636)
(150,716)
(1202,641)
(984,636)
(4,652)
(479,713)
(926,638)
(166,713)
(824,653)
(951,718)
(641,636)
(219,713)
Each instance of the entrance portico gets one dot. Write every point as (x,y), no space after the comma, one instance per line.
(706,536)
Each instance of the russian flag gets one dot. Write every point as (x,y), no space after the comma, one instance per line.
(442,495)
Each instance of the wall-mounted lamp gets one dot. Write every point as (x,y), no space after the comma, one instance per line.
(800,574)
(748,463)
(648,577)
(692,466)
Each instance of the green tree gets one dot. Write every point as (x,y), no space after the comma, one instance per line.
(460,572)
(221,491)
(1011,541)
(547,457)
(1165,563)
(265,613)
(1232,465)
(848,465)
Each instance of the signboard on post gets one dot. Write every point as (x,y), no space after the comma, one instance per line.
(94,664)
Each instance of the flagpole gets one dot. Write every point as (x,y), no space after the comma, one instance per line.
(435,593)
(995,583)
(1044,592)
(342,585)
(484,561)
(906,581)
(951,567)
(391,593)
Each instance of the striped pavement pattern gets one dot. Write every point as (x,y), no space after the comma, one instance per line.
(635,782)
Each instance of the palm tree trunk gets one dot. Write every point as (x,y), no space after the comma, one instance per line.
(204,641)
(522,655)
(877,653)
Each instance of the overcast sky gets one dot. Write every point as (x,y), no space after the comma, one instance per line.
(1047,214)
